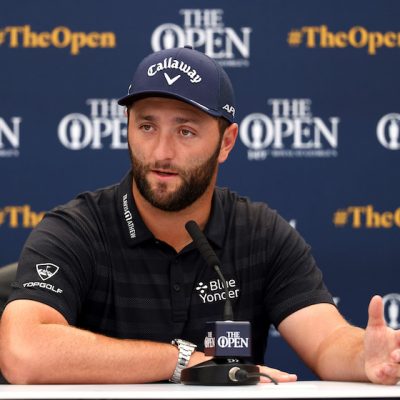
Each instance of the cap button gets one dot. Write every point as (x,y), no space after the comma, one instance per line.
(188,47)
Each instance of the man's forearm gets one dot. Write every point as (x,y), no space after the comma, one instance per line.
(64,354)
(341,356)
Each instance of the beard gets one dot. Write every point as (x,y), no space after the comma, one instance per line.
(195,182)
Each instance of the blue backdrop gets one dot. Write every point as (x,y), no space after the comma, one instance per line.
(317,103)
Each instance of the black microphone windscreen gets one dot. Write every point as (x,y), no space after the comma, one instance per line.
(202,244)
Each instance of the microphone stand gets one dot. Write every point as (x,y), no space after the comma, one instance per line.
(220,370)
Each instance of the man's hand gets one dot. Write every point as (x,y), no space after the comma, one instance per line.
(278,375)
(382,347)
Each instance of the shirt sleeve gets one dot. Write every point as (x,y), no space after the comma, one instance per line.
(57,261)
(294,280)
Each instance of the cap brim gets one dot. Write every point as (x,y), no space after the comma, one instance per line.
(130,98)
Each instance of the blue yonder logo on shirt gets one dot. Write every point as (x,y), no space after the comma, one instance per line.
(214,290)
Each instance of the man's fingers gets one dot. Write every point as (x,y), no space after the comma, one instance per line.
(375,312)
(389,374)
(395,356)
(278,375)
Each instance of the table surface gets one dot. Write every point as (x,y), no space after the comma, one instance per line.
(295,390)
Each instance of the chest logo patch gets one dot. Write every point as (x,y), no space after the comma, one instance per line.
(214,291)
(46,270)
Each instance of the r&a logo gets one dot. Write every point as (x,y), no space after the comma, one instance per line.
(391,304)
(388,131)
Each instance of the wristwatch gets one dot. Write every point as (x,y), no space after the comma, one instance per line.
(186,349)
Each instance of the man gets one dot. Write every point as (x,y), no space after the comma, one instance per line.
(106,282)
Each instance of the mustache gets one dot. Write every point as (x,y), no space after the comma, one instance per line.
(164,165)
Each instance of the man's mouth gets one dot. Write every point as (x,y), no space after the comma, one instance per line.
(164,173)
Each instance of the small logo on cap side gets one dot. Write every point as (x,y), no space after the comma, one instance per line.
(229,109)
(171,81)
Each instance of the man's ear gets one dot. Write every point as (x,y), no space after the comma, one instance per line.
(228,141)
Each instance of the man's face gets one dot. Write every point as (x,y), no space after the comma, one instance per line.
(174,149)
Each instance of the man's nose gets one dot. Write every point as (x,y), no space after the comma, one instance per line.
(164,148)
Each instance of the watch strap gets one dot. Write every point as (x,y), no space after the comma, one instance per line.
(185,349)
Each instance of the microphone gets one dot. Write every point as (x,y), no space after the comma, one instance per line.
(228,341)
(212,261)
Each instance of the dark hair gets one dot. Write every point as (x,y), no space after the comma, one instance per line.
(223,123)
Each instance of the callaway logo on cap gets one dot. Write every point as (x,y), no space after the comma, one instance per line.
(185,74)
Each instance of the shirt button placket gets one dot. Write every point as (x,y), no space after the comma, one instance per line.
(177,293)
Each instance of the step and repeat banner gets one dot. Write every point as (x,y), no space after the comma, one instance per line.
(318,105)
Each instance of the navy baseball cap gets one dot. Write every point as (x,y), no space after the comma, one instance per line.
(187,75)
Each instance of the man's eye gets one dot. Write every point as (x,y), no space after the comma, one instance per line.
(186,133)
(146,128)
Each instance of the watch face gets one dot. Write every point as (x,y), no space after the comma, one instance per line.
(179,342)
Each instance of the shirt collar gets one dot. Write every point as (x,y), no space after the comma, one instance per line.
(215,227)
(134,229)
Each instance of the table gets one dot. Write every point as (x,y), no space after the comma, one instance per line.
(294,390)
